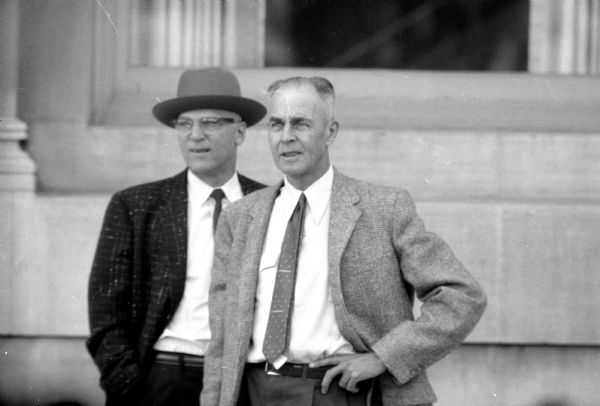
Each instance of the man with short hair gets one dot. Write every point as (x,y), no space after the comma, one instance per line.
(314,279)
(148,289)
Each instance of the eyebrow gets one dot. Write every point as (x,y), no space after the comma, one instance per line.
(296,120)
(293,120)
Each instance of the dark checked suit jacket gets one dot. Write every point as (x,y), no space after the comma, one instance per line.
(380,257)
(138,276)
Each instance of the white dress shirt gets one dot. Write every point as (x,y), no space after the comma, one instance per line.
(314,330)
(189,331)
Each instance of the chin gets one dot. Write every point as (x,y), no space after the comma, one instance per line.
(199,170)
(290,169)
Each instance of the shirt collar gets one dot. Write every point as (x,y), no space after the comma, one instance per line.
(200,190)
(318,194)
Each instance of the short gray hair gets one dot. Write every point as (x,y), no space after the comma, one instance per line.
(323,87)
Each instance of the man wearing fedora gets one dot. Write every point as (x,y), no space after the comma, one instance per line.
(148,288)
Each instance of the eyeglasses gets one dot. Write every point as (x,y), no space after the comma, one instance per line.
(185,125)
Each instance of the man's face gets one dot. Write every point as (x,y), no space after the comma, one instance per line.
(208,149)
(300,132)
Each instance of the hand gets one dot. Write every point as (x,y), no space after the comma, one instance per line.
(353,367)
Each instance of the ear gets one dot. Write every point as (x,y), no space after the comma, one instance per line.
(332,131)
(240,133)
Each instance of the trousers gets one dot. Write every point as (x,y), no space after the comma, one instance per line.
(271,390)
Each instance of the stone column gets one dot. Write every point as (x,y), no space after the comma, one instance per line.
(16,167)
(564,36)
(17,182)
(167,33)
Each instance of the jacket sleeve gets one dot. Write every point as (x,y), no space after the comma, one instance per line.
(216,303)
(109,303)
(453,301)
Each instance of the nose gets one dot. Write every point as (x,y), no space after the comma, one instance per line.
(197,132)
(288,133)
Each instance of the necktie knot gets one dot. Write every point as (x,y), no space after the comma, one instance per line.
(302,201)
(218,196)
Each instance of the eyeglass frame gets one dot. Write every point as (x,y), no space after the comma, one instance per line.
(219,122)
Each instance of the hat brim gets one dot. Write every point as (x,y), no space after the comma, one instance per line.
(250,110)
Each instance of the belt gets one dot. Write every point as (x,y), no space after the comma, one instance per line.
(179,359)
(289,369)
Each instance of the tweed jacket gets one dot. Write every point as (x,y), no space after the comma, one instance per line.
(138,276)
(379,257)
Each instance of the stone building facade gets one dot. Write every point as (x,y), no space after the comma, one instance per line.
(504,166)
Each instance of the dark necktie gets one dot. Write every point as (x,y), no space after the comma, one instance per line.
(218,196)
(277,336)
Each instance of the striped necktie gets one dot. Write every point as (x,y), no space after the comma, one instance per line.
(277,336)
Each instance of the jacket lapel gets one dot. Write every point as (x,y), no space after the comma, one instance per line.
(248,185)
(342,219)
(174,229)
(258,222)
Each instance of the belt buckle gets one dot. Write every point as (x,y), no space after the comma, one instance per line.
(270,371)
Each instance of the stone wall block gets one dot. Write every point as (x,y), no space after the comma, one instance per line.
(54,244)
(517,376)
(550,278)
(473,232)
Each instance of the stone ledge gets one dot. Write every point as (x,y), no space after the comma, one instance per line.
(442,165)
(378,98)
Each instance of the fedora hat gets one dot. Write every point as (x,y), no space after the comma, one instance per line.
(209,88)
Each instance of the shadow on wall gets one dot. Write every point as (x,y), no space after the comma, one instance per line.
(554,402)
(66,403)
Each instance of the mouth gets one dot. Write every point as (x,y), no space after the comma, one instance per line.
(291,154)
(198,150)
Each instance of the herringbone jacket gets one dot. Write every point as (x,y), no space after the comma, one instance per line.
(138,276)
(379,256)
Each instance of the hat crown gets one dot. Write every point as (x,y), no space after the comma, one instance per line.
(209,88)
(208,82)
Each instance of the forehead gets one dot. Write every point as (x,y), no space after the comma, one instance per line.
(208,113)
(294,100)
